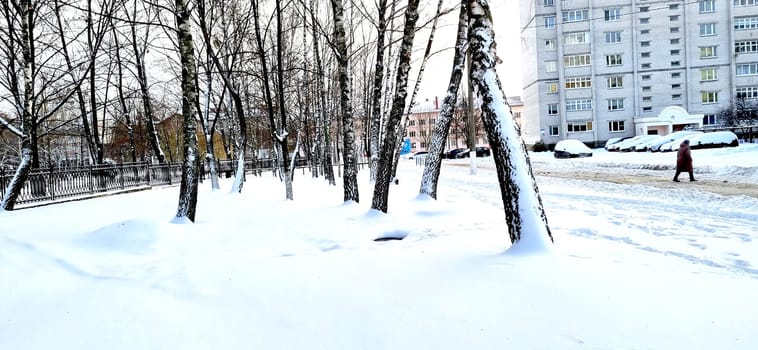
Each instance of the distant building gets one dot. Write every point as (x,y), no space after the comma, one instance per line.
(597,69)
(423,118)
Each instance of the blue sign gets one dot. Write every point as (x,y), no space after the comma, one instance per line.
(406,146)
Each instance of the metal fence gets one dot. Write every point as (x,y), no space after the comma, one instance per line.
(52,184)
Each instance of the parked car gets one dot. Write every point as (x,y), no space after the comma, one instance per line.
(452,154)
(716,139)
(655,145)
(571,149)
(615,146)
(480,152)
(615,140)
(628,145)
(641,144)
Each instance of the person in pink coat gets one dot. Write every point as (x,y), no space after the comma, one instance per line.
(684,161)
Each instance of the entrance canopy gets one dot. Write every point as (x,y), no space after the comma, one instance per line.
(672,118)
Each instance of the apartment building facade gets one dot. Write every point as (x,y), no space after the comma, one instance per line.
(599,69)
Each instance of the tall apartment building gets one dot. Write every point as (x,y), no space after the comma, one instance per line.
(598,69)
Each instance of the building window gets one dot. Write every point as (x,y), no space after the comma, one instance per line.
(647,109)
(576,60)
(575,16)
(673,6)
(644,8)
(675,63)
(552,87)
(645,31)
(423,144)
(647,99)
(645,55)
(646,89)
(645,43)
(707,51)
(646,77)
(411,122)
(613,60)
(746,46)
(412,134)
(423,133)
(616,126)
(612,14)
(615,82)
(745,2)
(645,20)
(676,75)
(708,97)
(673,18)
(709,119)
(550,45)
(552,109)
(708,74)
(612,37)
(676,86)
(747,69)
(554,130)
(645,66)
(676,96)
(675,52)
(674,41)
(422,122)
(548,3)
(579,126)
(750,92)
(576,38)
(551,66)
(707,6)
(707,29)
(744,23)
(580,104)
(549,22)
(615,104)
(578,83)
(674,30)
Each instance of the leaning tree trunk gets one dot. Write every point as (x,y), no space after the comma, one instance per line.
(188,188)
(433,161)
(416,87)
(384,167)
(524,212)
(24,167)
(350,177)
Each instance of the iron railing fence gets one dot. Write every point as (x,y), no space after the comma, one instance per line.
(56,183)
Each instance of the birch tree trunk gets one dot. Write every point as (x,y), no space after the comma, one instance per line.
(376,98)
(384,167)
(323,142)
(26,10)
(350,177)
(188,188)
(147,105)
(524,212)
(282,134)
(433,161)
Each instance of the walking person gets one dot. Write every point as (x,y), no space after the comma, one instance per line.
(684,161)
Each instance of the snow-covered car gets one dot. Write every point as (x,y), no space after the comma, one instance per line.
(615,140)
(655,145)
(632,144)
(418,154)
(571,149)
(716,139)
(615,147)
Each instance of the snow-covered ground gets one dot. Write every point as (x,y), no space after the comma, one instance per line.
(633,267)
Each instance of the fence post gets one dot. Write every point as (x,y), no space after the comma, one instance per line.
(147,171)
(121,168)
(51,184)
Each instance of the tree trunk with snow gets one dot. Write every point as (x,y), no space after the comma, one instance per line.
(188,188)
(524,212)
(384,167)
(26,11)
(322,125)
(350,177)
(282,134)
(433,160)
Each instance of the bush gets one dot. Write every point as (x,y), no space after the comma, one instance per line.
(539,146)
